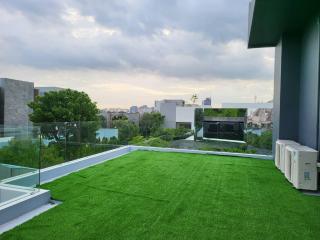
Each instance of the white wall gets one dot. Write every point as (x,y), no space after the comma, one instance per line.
(169,111)
(185,114)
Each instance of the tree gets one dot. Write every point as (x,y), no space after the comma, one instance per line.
(63,106)
(127,130)
(263,141)
(60,113)
(194,98)
(266,140)
(103,121)
(150,123)
(119,117)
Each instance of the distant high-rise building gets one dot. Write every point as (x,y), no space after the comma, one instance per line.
(133,109)
(145,109)
(207,102)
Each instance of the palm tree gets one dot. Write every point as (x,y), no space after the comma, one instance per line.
(194,98)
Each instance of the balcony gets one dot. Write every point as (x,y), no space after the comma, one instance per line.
(106,187)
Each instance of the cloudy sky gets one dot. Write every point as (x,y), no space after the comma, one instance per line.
(132,52)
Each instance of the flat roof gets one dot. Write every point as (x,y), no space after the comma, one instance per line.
(268,19)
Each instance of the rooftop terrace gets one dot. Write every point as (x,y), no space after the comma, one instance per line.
(153,195)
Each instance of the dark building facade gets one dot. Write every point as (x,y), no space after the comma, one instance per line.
(223,123)
(224,129)
(292,27)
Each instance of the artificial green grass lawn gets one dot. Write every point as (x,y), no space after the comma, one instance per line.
(152,195)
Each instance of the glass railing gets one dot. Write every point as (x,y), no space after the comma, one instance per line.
(19,156)
(26,150)
(224,130)
(62,142)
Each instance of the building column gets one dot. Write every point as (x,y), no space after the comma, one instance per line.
(286,89)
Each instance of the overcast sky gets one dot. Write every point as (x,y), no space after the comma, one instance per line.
(132,52)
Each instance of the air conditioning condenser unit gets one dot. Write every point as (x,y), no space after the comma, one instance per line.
(280,152)
(304,173)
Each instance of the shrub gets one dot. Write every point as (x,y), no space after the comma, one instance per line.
(127,130)
(166,134)
(137,140)
(156,142)
(169,134)
(153,141)
(150,123)
(262,141)
(266,140)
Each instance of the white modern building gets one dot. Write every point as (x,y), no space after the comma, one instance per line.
(168,108)
(185,117)
(176,102)
(177,113)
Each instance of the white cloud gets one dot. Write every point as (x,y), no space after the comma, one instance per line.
(85,26)
(179,46)
(73,16)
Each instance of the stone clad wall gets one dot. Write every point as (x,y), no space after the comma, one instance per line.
(15,95)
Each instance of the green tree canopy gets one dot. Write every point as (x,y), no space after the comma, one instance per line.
(225,112)
(150,123)
(127,130)
(119,117)
(66,115)
(63,106)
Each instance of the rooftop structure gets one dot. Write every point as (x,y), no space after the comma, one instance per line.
(14,98)
(292,26)
(207,102)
